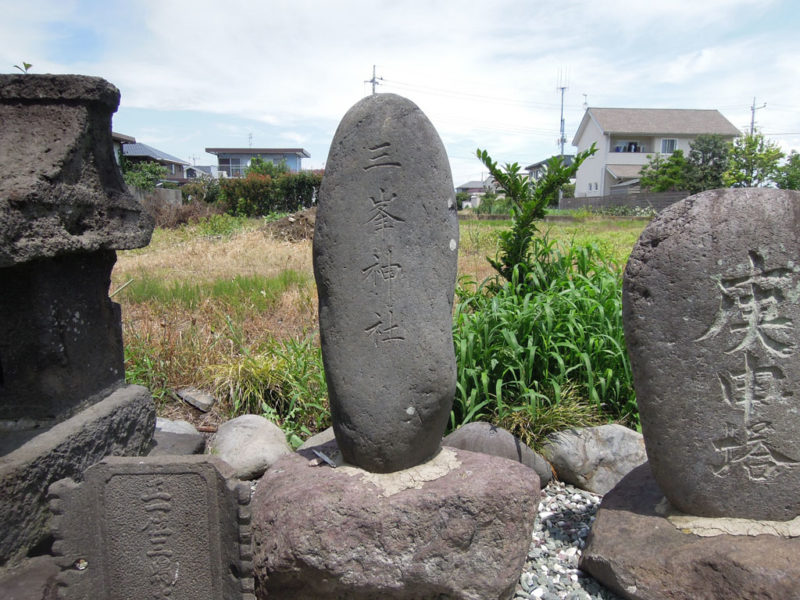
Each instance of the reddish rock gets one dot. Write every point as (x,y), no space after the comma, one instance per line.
(640,555)
(323,533)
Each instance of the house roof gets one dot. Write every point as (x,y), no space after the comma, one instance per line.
(255,151)
(657,121)
(568,160)
(470,185)
(624,171)
(121,137)
(143,150)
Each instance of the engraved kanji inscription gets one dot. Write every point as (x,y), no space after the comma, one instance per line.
(379,216)
(753,386)
(384,329)
(750,309)
(752,451)
(380,155)
(164,571)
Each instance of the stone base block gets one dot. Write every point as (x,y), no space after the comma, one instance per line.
(120,424)
(458,527)
(640,554)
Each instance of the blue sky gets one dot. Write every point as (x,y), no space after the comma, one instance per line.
(282,73)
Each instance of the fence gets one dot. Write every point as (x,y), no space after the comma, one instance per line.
(656,200)
(162,195)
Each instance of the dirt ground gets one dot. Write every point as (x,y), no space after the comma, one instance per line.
(296,227)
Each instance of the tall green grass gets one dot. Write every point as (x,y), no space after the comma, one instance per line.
(535,351)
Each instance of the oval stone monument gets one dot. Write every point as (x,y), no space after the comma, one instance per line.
(711,312)
(385,259)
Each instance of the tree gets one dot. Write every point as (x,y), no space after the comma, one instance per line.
(660,175)
(707,162)
(461,198)
(259,166)
(754,161)
(143,176)
(788,177)
(528,200)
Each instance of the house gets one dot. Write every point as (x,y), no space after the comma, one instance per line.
(234,161)
(199,171)
(536,170)
(625,136)
(118,139)
(476,190)
(138,152)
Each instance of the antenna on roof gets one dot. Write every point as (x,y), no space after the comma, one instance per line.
(250,140)
(375,80)
(585,101)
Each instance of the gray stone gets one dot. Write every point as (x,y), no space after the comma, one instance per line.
(122,423)
(198,398)
(595,459)
(60,335)
(61,191)
(33,579)
(710,307)
(385,254)
(639,554)
(250,444)
(166,443)
(180,426)
(458,527)
(319,439)
(484,437)
(167,527)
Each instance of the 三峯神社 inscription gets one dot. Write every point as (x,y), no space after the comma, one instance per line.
(385,264)
(710,304)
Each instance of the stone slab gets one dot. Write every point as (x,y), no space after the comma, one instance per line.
(61,190)
(385,260)
(33,579)
(634,550)
(121,423)
(458,527)
(166,443)
(711,305)
(176,528)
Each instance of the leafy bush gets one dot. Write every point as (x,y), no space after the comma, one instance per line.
(549,348)
(259,194)
(142,175)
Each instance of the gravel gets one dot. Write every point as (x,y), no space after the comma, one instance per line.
(551,570)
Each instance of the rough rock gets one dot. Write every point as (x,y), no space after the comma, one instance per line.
(180,426)
(198,398)
(250,444)
(484,437)
(710,310)
(595,458)
(176,444)
(385,260)
(33,579)
(325,436)
(635,551)
(456,527)
(121,424)
(61,190)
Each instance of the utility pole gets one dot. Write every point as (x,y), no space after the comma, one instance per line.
(375,80)
(563,138)
(753,110)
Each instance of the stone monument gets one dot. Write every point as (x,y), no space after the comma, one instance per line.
(176,528)
(64,209)
(387,512)
(385,260)
(711,303)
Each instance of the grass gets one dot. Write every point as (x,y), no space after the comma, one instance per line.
(222,305)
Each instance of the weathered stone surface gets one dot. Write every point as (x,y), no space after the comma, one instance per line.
(710,306)
(385,253)
(456,527)
(167,527)
(486,438)
(198,398)
(122,423)
(166,443)
(639,554)
(250,444)
(180,426)
(61,190)
(323,437)
(595,458)
(60,335)
(33,579)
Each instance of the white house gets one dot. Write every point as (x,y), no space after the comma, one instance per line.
(625,136)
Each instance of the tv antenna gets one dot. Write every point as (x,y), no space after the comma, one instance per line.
(562,86)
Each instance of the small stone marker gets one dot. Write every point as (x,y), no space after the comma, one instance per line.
(176,528)
(711,315)
(385,254)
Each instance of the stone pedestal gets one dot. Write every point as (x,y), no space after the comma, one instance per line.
(637,552)
(458,526)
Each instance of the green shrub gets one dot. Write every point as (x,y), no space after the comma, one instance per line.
(259,194)
(552,341)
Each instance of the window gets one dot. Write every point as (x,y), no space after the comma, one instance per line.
(668,145)
(232,167)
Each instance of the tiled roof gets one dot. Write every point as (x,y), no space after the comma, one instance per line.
(144,150)
(655,121)
(624,171)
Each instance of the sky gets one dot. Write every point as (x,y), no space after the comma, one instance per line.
(275,73)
